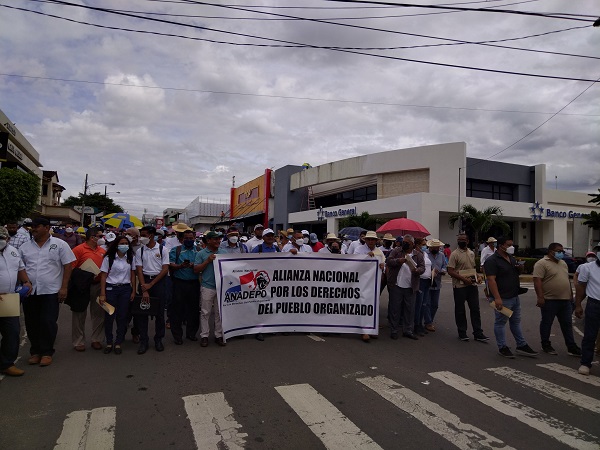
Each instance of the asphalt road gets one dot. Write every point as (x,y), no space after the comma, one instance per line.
(306,392)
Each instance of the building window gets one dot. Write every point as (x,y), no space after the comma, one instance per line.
(358,195)
(492,191)
(44,190)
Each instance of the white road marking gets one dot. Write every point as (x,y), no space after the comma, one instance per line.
(565,433)
(570,372)
(547,388)
(433,416)
(335,430)
(578,331)
(316,338)
(213,423)
(88,430)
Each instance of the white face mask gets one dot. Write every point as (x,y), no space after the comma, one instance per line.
(3,244)
(299,242)
(129,238)
(233,239)
(69,230)
(305,240)
(144,240)
(510,250)
(590,259)
(101,241)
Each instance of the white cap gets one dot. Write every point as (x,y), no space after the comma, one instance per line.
(110,236)
(161,232)
(258,225)
(268,231)
(305,232)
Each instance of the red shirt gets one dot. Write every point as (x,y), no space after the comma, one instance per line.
(83,252)
(317,246)
(447,252)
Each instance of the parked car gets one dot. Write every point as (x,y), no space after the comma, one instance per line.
(572,262)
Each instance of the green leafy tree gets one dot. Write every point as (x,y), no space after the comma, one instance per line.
(595,198)
(97,200)
(365,220)
(479,222)
(593,220)
(19,194)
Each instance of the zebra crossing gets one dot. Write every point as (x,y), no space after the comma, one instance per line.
(214,425)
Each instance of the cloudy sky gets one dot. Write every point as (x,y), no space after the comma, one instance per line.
(177,111)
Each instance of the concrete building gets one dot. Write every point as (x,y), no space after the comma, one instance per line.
(202,215)
(429,183)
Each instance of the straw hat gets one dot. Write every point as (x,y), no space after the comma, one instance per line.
(331,236)
(388,237)
(490,240)
(435,243)
(371,235)
(181,227)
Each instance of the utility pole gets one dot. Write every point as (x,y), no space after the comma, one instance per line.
(85,186)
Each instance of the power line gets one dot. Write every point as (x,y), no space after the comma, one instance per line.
(396,58)
(288,97)
(539,126)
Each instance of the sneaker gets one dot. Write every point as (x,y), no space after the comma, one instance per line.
(584,370)
(526,350)
(574,351)
(481,338)
(549,349)
(505,351)
(464,338)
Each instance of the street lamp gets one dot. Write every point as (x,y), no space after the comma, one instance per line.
(85,189)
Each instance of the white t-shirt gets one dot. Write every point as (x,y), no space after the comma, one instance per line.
(364,250)
(120,272)
(486,253)
(427,274)
(590,273)
(45,264)
(153,262)
(10,264)
(352,248)
(305,248)
(404,276)
(253,242)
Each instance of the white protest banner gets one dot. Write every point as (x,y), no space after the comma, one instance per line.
(308,292)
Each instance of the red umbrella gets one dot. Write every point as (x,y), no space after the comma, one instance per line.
(400,227)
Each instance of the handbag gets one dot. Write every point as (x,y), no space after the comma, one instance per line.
(145,308)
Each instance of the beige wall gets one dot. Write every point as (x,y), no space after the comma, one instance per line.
(402,183)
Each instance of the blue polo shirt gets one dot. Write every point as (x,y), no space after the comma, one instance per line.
(189,254)
(265,248)
(208,274)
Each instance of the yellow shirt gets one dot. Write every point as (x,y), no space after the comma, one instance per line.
(555,278)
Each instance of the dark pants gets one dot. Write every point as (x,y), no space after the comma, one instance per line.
(422,303)
(434,302)
(141,320)
(169,286)
(563,310)
(41,315)
(590,331)
(469,294)
(401,309)
(185,306)
(9,348)
(117,296)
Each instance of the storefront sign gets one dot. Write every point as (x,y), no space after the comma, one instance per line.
(263,293)
(547,212)
(324,214)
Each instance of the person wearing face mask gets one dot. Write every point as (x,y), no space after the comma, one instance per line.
(488,251)
(88,250)
(71,238)
(133,234)
(355,244)
(502,272)
(422,295)
(438,269)
(333,242)
(588,284)
(16,239)
(12,271)
(257,239)
(232,243)
(314,243)
(554,298)
(465,290)
(185,306)
(116,288)
(297,245)
(405,267)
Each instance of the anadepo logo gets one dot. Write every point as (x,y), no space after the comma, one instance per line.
(251,285)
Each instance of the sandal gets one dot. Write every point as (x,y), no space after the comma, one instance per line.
(108,349)
(118,350)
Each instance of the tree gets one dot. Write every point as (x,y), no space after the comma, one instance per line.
(593,220)
(19,194)
(595,198)
(479,222)
(365,220)
(97,200)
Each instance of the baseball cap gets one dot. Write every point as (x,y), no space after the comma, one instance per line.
(161,232)
(244,239)
(212,235)
(313,238)
(40,221)
(110,236)
(258,225)
(305,232)
(268,231)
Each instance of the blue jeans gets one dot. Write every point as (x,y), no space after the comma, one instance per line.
(434,302)
(514,304)
(590,331)
(9,348)
(117,296)
(422,303)
(563,310)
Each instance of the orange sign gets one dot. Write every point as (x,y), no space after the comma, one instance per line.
(249,198)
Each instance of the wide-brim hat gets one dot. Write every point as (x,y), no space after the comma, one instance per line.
(490,240)
(181,227)
(435,243)
(388,237)
(371,235)
(331,236)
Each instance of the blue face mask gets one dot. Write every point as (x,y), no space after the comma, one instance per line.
(188,243)
(559,255)
(123,248)
(424,248)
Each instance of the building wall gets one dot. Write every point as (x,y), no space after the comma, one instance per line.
(285,199)
(402,183)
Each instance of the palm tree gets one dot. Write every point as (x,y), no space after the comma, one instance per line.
(365,220)
(478,221)
(593,220)
(595,198)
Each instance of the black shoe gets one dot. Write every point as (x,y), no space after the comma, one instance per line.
(505,351)
(192,338)
(526,350)
(481,338)
(158,345)
(259,337)
(410,336)
(547,348)
(108,349)
(220,342)
(118,350)
(204,342)
(178,341)
(394,336)
(143,348)
(464,338)
(574,351)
